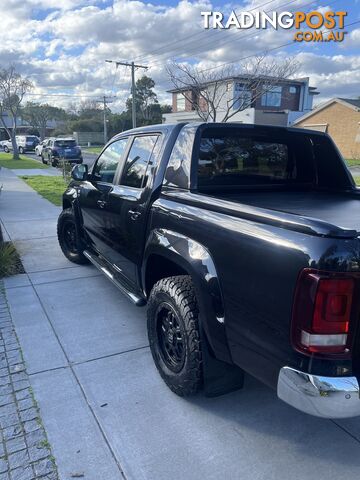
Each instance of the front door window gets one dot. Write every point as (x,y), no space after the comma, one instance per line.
(106,165)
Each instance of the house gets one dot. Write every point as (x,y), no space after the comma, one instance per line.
(23,127)
(282,105)
(340,118)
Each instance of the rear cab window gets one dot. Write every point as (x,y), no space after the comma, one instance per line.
(236,157)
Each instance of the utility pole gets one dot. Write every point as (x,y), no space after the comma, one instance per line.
(105,124)
(133,93)
(133,86)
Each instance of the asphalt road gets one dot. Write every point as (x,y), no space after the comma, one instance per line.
(89,158)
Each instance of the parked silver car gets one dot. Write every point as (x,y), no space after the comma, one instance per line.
(25,143)
(39,148)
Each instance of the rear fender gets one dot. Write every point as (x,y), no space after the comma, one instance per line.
(196,261)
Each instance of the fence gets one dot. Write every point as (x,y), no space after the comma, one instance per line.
(89,138)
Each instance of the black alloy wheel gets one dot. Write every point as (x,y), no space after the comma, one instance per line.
(69,236)
(71,245)
(170,337)
(174,334)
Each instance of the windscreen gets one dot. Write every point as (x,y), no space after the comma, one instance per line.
(65,143)
(235,157)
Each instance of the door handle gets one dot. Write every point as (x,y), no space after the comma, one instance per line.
(134,214)
(101,203)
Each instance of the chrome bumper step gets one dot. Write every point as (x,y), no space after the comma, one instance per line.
(326,397)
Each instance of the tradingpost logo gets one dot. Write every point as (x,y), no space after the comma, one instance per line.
(309,27)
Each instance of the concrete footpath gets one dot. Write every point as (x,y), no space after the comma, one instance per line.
(107,413)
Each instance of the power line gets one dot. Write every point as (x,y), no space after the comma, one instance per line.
(241,35)
(220,42)
(72,95)
(174,42)
(266,51)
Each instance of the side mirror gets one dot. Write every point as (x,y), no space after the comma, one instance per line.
(79,172)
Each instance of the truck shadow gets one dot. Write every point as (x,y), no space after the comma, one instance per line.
(256,413)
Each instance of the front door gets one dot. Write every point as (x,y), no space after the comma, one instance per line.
(127,205)
(94,194)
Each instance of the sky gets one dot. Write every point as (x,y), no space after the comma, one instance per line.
(62,45)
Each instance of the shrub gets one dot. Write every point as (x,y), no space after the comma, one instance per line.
(10,263)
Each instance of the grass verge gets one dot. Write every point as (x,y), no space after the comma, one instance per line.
(10,263)
(7,161)
(51,188)
(357,181)
(96,150)
(352,162)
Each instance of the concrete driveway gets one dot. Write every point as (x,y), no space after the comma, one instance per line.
(107,413)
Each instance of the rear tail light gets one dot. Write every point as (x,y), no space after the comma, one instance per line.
(322,313)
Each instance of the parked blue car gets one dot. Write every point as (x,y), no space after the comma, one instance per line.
(59,149)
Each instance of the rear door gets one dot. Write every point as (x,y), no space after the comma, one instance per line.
(94,196)
(127,203)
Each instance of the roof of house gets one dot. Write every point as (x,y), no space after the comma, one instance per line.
(347,102)
(354,102)
(246,77)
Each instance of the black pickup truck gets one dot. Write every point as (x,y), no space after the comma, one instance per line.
(244,243)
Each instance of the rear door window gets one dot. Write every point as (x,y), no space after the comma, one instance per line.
(135,170)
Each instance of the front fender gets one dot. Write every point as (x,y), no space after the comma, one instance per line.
(71,200)
(196,260)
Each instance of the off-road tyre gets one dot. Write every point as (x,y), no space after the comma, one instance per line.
(69,242)
(176,294)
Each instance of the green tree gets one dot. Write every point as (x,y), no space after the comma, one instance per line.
(166,108)
(148,110)
(85,125)
(39,115)
(90,109)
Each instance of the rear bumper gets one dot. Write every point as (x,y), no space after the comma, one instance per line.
(74,160)
(68,159)
(327,397)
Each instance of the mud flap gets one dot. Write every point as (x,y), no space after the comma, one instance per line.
(219,377)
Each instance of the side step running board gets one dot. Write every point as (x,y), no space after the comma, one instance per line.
(94,259)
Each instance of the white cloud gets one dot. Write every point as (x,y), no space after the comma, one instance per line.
(66,50)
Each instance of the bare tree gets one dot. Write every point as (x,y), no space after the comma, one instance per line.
(207,91)
(13,87)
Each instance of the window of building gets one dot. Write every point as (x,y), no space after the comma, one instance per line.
(293,90)
(137,161)
(180,102)
(242,97)
(272,97)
